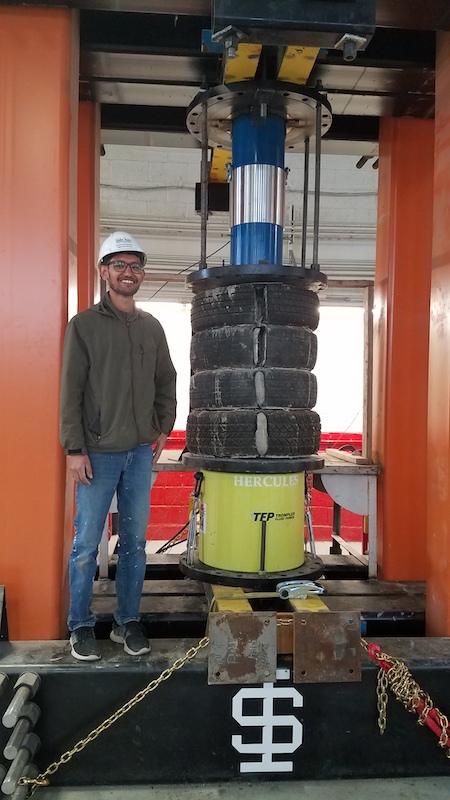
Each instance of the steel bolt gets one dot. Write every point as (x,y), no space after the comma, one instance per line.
(3,682)
(19,765)
(25,688)
(28,717)
(21,793)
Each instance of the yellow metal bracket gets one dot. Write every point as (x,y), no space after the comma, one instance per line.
(241,68)
(218,171)
(226,598)
(312,603)
(297,63)
(244,65)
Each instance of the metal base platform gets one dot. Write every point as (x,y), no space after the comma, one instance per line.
(187,731)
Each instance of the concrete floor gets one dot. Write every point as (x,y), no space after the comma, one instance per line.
(387,789)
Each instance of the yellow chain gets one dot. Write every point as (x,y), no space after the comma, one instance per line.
(42,778)
(382,700)
(408,692)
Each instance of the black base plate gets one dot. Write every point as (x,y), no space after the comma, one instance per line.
(212,277)
(311,569)
(257,466)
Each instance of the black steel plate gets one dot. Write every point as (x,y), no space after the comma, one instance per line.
(312,568)
(257,466)
(212,277)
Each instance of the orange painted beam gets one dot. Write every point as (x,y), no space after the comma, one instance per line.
(401,336)
(38,109)
(88,202)
(438,541)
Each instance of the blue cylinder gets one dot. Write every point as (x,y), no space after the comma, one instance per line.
(257,196)
(257,242)
(261,143)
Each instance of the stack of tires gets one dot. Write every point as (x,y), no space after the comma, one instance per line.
(252,389)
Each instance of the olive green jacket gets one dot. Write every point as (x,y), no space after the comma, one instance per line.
(118,381)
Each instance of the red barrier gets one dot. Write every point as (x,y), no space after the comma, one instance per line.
(170,497)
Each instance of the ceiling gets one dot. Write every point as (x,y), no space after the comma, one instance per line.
(143,61)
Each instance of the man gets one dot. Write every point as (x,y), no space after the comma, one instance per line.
(117,410)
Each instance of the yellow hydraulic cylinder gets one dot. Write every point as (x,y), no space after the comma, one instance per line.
(251,523)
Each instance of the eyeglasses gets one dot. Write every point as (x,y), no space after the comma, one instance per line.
(120,266)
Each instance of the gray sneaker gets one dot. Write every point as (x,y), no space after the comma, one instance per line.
(84,645)
(133,638)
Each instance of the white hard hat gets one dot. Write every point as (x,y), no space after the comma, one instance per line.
(120,242)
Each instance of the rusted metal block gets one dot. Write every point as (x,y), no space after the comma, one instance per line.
(243,647)
(327,647)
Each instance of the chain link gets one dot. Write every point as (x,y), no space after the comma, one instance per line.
(398,677)
(308,490)
(42,778)
(382,699)
(408,692)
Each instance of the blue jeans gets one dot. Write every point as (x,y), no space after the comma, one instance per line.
(129,474)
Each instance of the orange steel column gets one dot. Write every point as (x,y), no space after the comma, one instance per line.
(38,113)
(88,201)
(401,336)
(438,583)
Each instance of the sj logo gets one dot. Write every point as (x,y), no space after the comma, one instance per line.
(267,721)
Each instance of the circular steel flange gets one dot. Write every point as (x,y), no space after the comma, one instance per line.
(213,277)
(312,568)
(256,466)
(297,106)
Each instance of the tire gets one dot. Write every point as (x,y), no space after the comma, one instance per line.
(253,434)
(255,304)
(253,388)
(250,346)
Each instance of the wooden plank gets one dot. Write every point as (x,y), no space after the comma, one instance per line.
(372,587)
(343,566)
(313,603)
(163,559)
(154,587)
(340,560)
(363,559)
(156,605)
(345,455)
(376,605)
(169,461)
(229,598)
(285,633)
